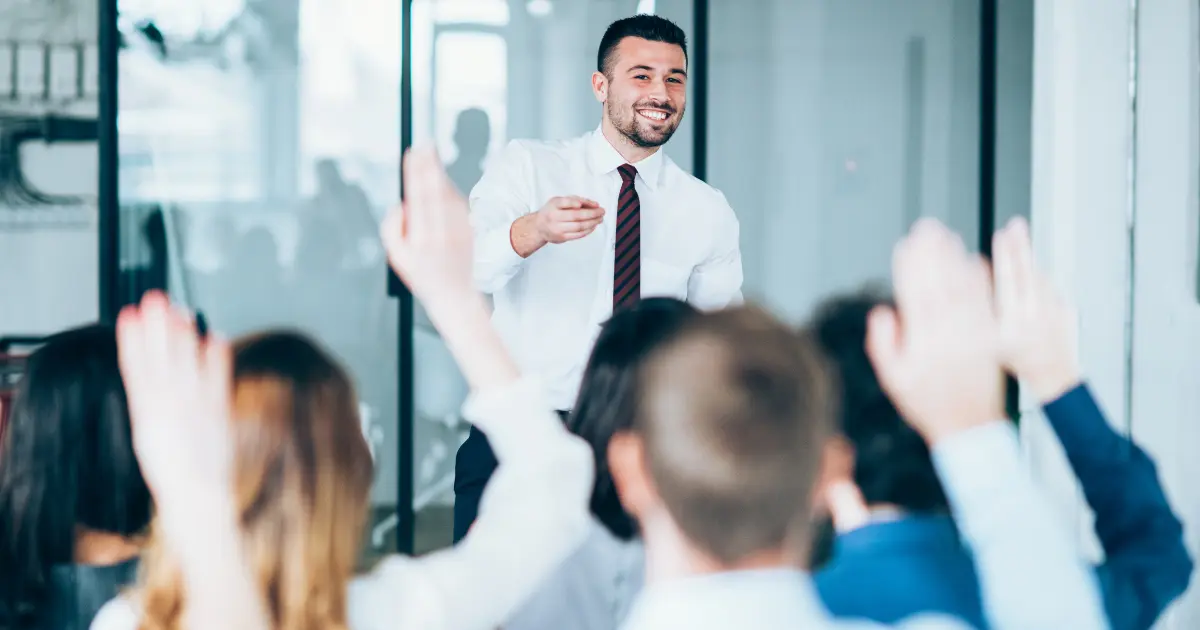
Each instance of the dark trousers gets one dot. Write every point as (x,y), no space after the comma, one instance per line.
(473,467)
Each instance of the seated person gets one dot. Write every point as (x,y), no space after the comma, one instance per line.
(72,498)
(897,531)
(301,470)
(592,590)
(721,467)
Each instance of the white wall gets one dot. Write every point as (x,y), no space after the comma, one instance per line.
(1095,220)
(1166,318)
(834,125)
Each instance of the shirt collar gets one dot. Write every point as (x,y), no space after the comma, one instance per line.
(604,159)
(772,598)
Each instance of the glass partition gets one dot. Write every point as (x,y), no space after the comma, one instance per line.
(259,145)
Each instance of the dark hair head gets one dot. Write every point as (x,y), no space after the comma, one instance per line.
(892,462)
(66,461)
(608,397)
(734,413)
(648,27)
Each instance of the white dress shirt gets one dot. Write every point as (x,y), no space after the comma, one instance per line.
(1030,574)
(549,307)
(592,590)
(533,515)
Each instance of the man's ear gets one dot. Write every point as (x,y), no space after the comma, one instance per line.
(836,494)
(600,86)
(837,462)
(631,477)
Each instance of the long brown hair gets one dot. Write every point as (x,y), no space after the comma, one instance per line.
(302,483)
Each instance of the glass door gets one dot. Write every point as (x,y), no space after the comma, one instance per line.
(259,144)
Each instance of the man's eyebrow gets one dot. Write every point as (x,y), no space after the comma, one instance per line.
(648,68)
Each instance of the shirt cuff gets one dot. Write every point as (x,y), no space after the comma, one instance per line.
(514,417)
(974,464)
(1067,399)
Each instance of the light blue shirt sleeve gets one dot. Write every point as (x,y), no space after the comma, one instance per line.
(1030,572)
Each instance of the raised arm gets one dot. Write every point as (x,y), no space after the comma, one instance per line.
(938,357)
(534,512)
(1146,562)
(178,388)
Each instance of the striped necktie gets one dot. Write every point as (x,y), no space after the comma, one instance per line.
(627,264)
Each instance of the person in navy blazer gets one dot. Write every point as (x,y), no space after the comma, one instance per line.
(896,550)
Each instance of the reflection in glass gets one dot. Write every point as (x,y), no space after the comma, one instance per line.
(259,143)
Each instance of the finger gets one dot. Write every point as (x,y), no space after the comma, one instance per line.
(577,234)
(1020,248)
(576,226)
(395,238)
(218,372)
(914,273)
(438,190)
(391,229)
(883,344)
(585,214)
(156,332)
(1007,292)
(415,218)
(942,268)
(131,350)
(572,202)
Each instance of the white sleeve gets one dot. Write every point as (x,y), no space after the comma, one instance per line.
(503,195)
(1030,573)
(717,282)
(117,614)
(533,514)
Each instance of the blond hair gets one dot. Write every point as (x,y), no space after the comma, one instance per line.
(302,482)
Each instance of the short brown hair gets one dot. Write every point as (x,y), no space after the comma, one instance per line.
(734,413)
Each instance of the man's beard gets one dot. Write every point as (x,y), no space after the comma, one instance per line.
(638,130)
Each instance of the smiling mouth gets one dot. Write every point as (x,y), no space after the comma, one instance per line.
(653,115)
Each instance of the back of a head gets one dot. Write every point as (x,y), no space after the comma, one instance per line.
(892,462)
(66,463)
(648,27)
(607,398)
(734,413)
(302,481)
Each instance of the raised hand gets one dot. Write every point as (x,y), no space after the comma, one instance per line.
(179,388)
(937,354)
(179,392)
(1038,330)
(428,240)
(428,237)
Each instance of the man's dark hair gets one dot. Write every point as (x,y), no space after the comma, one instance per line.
(734,413)
(608,397)
(648,27)
(892,462)
(66,462)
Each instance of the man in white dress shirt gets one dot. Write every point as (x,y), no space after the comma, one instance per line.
(726,451)
(568,231)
